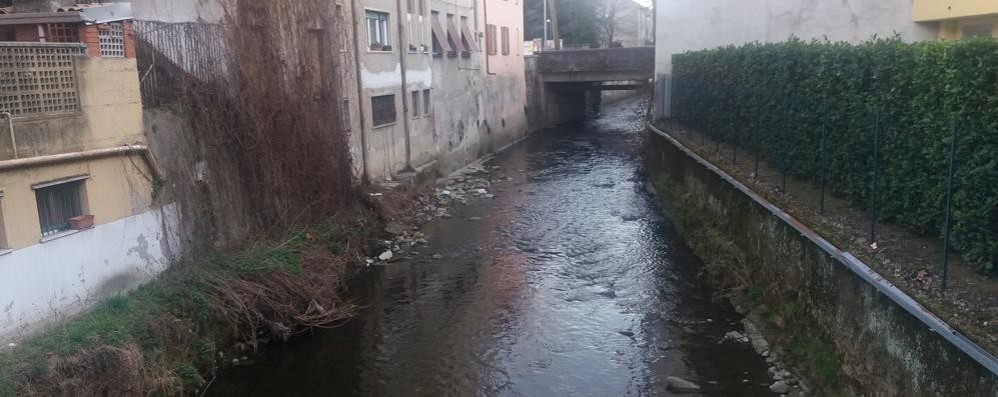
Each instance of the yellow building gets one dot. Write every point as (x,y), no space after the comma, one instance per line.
(959,19)
(78,219)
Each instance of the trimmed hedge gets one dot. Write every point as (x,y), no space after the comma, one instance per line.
(776,98)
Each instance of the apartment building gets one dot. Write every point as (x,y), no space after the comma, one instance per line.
(79,219)
(958,19)
(438,82)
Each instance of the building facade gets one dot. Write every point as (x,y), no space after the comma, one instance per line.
(628,22)
(437,82)
(79,220)
(957,19)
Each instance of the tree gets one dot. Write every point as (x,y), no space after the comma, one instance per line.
(577,20)
(608,21)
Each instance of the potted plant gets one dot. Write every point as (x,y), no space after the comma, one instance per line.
(386,48)
(81,222)
(376,46)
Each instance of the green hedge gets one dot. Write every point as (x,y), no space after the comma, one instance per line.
(776,98)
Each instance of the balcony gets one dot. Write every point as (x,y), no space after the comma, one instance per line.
(937,10)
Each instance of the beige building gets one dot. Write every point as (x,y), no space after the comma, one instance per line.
(78,216)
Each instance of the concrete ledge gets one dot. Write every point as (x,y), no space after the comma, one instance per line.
(911,357)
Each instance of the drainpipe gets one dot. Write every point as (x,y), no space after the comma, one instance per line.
(10,126)
(405,86)
(360,89)
(123,150)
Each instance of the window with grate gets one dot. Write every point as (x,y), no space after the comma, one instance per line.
(63,33)
(58,203)
(383,110)
(112,40)
(38,79)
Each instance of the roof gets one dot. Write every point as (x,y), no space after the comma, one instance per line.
(31,18)
(101,13)
(85,13)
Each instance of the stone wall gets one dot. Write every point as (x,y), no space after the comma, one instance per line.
(840,322)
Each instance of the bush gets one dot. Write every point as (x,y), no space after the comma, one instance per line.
(778,98)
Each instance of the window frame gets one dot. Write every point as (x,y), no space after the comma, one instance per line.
(427,102)
(45,197)
(414,107)
(394,113)
(382,28)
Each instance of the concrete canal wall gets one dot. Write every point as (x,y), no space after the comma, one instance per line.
(840,321)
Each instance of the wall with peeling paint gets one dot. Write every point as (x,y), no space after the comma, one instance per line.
(48,282)
(685,25)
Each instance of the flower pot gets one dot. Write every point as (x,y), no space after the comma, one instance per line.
(81,222)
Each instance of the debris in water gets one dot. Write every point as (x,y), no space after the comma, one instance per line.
(680,385)
(386,255)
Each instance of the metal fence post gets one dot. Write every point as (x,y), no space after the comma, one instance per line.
(821,152)
(873,196)
(947,218)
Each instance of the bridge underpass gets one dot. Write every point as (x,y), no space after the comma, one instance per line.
(560,81)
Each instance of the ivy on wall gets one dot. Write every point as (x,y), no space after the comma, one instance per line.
(780,99)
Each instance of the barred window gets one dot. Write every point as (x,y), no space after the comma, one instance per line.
(58,203)
(38,78)
(112,40)
(490,39)
(414,111)
(383,110)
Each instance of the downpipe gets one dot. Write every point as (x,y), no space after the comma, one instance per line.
(10,127)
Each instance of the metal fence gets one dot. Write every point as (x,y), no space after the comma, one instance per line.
(168,53)
(39,78)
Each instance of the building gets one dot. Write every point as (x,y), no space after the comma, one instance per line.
(79,218)
(689,25)
(445,86)
(626,23)
(958,19)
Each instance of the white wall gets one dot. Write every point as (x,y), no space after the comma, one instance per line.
(209,11)
(45,283)
(684,25)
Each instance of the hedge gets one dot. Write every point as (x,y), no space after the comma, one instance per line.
(777,99)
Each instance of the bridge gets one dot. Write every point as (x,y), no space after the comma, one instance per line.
(561,83)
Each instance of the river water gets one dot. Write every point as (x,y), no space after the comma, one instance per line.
(572,283)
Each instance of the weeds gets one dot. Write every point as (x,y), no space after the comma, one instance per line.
(164,337)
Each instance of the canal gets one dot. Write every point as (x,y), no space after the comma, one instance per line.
(569,282)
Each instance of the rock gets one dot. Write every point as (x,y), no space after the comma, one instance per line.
(438,256)
(680,385)
(475,218)
(386,255)
(394,228)
(782,374)
(481,191)
(12,345)
(779,387)
(663,345)
(628,334)
(735,336)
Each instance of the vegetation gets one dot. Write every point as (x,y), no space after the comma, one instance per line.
(167,337)
(578,20)
(822,108)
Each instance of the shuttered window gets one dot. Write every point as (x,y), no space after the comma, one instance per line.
(490,39)
(505,40)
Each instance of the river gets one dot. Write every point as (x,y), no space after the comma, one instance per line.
(571,283)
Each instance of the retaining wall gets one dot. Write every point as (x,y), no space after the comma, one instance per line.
(813,295)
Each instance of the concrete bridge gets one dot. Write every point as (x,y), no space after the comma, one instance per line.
(562,85)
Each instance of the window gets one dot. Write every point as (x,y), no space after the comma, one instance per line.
(440,43)
(383,110)
(453,37)
(976,30)
(415,104)
(427,109)
(505,40)
(57,203)
(377,31)
(111,38)
(490,39)
(467,38)
(415,26)
(63,33)
(45,83)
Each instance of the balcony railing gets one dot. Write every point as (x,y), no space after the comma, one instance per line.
(39,78)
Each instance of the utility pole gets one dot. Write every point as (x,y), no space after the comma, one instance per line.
(544,42)
(554,23)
